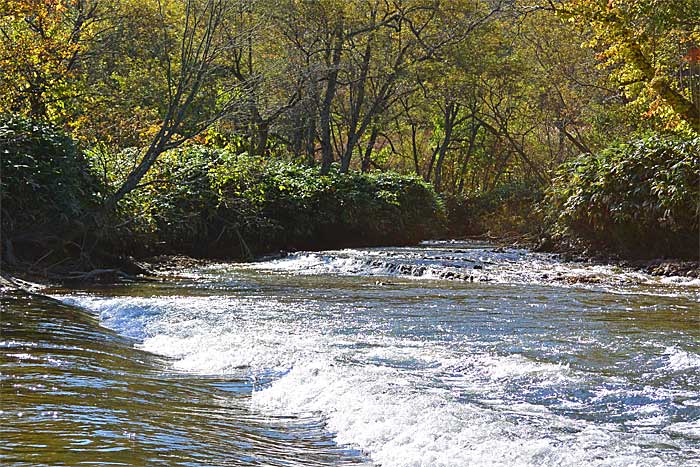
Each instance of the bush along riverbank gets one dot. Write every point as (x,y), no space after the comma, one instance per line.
(218,203)
(635,204)
(637,201)
(197,200)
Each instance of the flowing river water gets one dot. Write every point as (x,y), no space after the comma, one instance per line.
(446,354)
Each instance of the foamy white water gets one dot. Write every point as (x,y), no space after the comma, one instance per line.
(500,265)
(512,371)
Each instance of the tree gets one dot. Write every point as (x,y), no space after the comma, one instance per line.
(387,50)
(198,92)
(43,49)
(643,43)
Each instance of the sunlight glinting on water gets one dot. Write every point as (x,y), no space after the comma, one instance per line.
(513,370)
(448,261)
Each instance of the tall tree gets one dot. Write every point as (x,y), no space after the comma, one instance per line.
(43,46)
(390,46)
(643,43)
(198,92)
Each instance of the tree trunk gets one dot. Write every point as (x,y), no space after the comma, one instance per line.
(37,106)
(451,111)
(468,156)
(678,102)
(367,159)
(132,180)
(355,109)
(414,149)
(311,139)
(263,133)
(298,136)
(325,112)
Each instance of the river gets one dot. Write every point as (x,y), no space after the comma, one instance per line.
(445,354)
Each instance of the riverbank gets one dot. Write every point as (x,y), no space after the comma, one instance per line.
(214,203)
(656,266)
(165,267)
(199,201)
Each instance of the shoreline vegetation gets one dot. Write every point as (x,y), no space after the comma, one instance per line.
(212,203)
(221,129)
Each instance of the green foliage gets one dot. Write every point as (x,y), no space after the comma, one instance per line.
(45,183)
(639,198)
(220,203)
(482,100)
(643,43)
(200,200)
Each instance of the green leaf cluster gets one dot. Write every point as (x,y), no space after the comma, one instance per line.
(45,183)
(639,198)
(218,202)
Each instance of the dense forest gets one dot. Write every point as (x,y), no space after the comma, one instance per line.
(234,128)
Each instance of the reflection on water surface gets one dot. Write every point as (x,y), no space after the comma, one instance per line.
(74,393)
(359,357)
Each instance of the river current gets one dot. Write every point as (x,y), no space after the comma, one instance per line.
(445,354)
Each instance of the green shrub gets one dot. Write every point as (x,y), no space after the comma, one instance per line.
(639,199)
(219,203)
(296,207)
(46,186)
(199,200)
